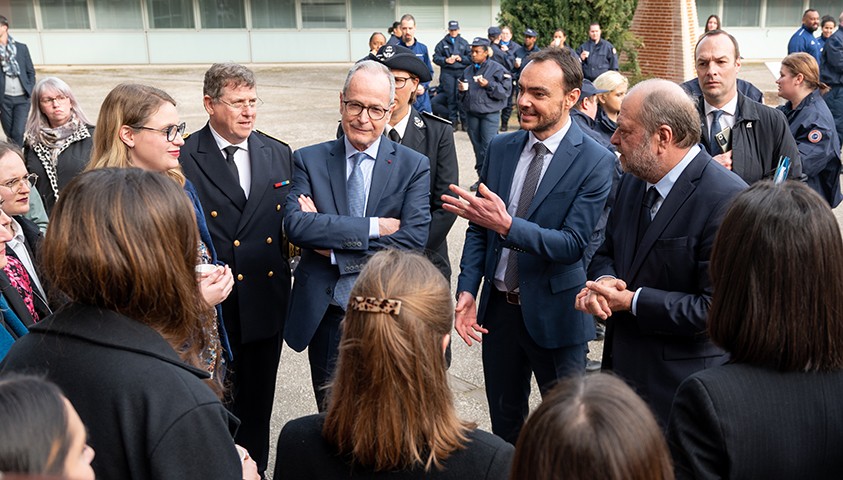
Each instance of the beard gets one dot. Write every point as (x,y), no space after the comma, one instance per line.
(642,163)
(545,122)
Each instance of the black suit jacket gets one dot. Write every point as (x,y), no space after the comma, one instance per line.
(247,233)
(740,421)
(27,71)
(665,342)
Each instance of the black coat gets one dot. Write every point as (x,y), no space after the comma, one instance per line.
(72,160)
(149,415)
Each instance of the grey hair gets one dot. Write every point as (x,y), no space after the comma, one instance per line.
(221,75)
(36,119)
(372,67)
(665,103)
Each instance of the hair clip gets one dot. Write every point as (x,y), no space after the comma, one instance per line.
(377,305)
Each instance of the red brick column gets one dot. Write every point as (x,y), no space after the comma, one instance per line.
(668,29)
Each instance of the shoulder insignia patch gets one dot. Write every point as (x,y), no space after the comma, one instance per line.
(615,51)
(270,136)
(815,136)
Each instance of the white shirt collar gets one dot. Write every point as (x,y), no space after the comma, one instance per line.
(222,143)
(665,185)
(372,151)
(730,108)
(552,142)
(401,126)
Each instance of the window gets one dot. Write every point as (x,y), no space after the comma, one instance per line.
(742,13)
(65,14)
(825,7)
(472,14)
(784,13)
(118,14)
(21,14)
(705,9)
(377,14)
(222,13)
(273,14)
(428,13)
(170,13)
(323,13)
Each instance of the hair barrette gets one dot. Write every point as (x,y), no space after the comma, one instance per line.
(377,305)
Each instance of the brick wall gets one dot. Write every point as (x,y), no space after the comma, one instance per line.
(668,29)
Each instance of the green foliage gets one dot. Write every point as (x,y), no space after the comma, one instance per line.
(574,16)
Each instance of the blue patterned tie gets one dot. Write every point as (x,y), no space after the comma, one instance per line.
(714,129)
(356,195)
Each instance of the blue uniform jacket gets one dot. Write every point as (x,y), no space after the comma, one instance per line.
(804,41)
(831,67)
(601,58)
(492,97)
(813,128)
(422,101)
(452,46)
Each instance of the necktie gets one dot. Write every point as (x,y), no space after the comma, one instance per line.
(528,191)
(20,280)
(714,129)
(229,160)
(645,215)
(394,136)
(356,194)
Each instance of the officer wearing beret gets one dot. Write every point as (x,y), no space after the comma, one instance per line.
(428,135)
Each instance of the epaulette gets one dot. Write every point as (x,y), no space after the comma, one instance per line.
(271,137)
(185,135)
(435,117)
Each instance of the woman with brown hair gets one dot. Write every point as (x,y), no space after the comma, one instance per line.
(591,427)
(127,349)
(139,127)
(811,124)
(390,410)
(774,411)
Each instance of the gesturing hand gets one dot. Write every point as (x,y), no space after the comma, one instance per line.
(466,319)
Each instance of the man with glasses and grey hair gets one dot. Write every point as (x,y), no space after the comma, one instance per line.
(242,177)
(351,197)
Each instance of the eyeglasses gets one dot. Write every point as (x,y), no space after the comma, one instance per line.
(375,112)
(58,98)
(170,131)
(15,184)
(243,104)
(400,82)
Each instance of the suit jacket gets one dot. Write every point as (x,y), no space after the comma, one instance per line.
(247,233)
(553,235)
(27,71)
(665,342)
(741,421)
(400,189)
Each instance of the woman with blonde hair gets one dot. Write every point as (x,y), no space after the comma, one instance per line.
(811,124)
(128,349)
(138,126)
(609,103)
(390,410)
(58,138)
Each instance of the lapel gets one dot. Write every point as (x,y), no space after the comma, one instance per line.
(569,149)
(679,194)
(336,174)
(380,175)
(703,122)
(261,163)
(509,160)
(415,137)
(210,160)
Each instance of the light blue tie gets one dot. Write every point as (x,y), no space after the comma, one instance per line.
(356,195)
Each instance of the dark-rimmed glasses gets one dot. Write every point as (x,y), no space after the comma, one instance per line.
(15,184)
(49,100)
(375,112)
(171,132)
(401,82)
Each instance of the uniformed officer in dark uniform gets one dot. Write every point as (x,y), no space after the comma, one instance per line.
(452,54)
(242,177)
(597,55)
(428,135)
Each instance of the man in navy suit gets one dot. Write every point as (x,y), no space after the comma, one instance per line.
(351,197)
(541,192)
(651,274)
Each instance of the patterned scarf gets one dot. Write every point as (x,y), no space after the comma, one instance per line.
(49,143)
(9,59)
(19,278)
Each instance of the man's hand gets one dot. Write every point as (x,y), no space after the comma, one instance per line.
(487,210)
(420,90)
(724,159)
(603,298)
(450,60)
(388,226)
(466,319)
(483,82)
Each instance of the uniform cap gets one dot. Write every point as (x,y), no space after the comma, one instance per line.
(480,42)
(494,31)
(530,33)
(453,25)
(588,89)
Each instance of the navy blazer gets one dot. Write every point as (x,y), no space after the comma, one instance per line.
(246,233)
(666,341)
(554,234)
(27,71)
(400,189)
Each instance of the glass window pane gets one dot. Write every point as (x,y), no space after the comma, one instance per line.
(64,14)
(429,14)
(784,13)
(705,9)
(118,14)
(378,14)
(742,13)
(471,13)
(273,14)
(21,14)
(222,13)
(323,13)
(170,13)
(826,7)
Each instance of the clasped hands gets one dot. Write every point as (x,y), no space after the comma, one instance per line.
(386,225)
(603,297)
